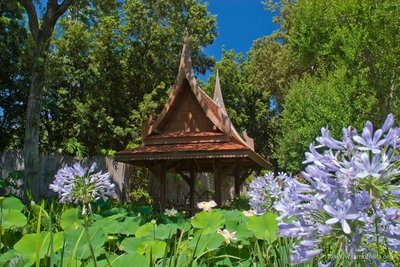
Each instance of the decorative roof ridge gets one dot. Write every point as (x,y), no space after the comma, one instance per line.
(219,101)
(186,72)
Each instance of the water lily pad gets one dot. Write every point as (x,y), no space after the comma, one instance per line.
(211,220)
(130,260)
(130,244)
(27,245)
(146,230)
(264,227)
(165,231)
(76,242)
(12,203)
(205,242)
(70,219)
(12,218)
(232,218)
(154,248)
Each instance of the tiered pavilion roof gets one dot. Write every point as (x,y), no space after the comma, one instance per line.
(194,134)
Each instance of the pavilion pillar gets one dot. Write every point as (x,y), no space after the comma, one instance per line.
(191,186)
(163,185)
(238,179)
(237,184)
(218,182)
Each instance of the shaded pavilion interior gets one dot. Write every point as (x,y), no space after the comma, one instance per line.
(194,134)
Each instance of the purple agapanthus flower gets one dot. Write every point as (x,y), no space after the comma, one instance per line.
(369,140)
(303,253)
(345,183)
(341,213)
(81,185)
(264,190)
(372,168)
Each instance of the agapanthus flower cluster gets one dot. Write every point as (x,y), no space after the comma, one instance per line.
(81,185)
(345,195)
(264,191)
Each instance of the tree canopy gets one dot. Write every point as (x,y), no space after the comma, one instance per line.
(107,60)
(110,65)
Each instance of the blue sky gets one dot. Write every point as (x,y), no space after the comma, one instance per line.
(239,23)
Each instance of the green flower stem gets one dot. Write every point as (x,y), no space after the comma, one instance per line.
(51,235)
(88,240)
(38,241)
(1,219)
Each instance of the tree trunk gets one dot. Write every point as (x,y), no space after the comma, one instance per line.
(41,36)
(32,181)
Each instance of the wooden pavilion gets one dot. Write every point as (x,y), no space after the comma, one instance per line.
(193,134)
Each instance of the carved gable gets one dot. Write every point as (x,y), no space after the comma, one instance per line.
(186,114)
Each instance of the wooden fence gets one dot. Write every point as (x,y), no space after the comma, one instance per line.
(122,174)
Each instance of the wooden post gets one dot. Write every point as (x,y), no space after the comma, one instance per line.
(163,188)
(218,182)
(191,185)
(237,184)
(238,179)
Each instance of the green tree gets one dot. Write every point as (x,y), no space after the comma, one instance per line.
(350,48)
(269,66)
(14,74)
(41,35)
(248,104)
(230,69)
(362,35)
(332,101)
(116,66)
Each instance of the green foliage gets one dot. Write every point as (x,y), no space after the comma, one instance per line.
(264,227)
(11,215)
(240,202)
(73,147)
(128,259)
(14,73)
(313,103)
(109,72)
(104,59)
(30,243)
(347,64)
(123,237)
(247,104)
(70,219)
(208,220)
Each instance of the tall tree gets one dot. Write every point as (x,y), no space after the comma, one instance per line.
(248,104)
(14,74)
(110,68)
(333,100)
(41,31)
(348,54)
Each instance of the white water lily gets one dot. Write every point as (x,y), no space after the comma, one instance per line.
(249,213)
(170,212)
(207,206)
(228,236)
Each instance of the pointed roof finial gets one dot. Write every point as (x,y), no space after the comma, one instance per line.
(185,65)
(218,93)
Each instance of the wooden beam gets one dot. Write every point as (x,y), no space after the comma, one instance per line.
(185,177)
